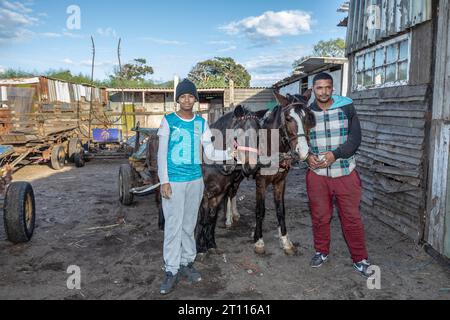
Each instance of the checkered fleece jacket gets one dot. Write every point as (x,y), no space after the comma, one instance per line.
(331,134)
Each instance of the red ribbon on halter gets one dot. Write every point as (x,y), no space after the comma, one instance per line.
(245,149)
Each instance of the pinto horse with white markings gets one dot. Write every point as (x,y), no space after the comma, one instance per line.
(289,124)
(294,120)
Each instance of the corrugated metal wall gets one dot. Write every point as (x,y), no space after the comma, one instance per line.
(386,18)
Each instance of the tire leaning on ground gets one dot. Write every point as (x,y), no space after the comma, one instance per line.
(75,146)
(58,157)
(126,184)
(19,212)
(79,159)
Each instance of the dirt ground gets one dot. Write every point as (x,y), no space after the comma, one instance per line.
(125,261)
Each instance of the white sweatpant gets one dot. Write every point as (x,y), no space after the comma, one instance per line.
(181,213)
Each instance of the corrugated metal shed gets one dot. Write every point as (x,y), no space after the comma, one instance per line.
(386,18)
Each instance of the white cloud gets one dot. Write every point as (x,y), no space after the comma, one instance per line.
(222,42)
(88,63)
(230,48)
(164,41)
(15,20)
(107,32)
(50,35)
(271,25)
(100,64)
(268,69)
(73,35)
(15,6)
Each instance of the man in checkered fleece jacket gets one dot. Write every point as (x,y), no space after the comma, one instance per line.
(332,174)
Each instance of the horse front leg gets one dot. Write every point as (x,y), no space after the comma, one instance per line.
(202,227)
(161,219)
(279,189)
(261,186)
(229,213)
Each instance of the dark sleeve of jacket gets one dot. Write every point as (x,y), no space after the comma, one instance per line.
(353,143)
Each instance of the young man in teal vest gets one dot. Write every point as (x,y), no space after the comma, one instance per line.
(181,136)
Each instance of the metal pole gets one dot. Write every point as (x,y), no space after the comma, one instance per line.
(124,109)
(92,80)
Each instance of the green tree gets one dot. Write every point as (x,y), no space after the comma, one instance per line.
(331,48)
(12,73)
(218,72)
(136,70)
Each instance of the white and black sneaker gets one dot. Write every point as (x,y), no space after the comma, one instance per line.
(318,260)
(362,268)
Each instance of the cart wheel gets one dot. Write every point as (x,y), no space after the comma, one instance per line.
(125,184)
(58,157)
(79,159)
(75,146)
(19,212)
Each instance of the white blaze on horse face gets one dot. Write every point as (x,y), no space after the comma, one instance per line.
(302,147)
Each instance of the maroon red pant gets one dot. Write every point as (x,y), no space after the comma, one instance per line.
(348,192)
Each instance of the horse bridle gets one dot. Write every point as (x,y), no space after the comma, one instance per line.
(285,137)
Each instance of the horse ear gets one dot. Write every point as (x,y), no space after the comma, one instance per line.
(239,112)
(282,100)
(308,94)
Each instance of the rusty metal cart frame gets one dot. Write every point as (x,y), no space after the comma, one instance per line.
(56,148)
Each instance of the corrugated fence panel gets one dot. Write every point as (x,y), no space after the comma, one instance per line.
(391,16)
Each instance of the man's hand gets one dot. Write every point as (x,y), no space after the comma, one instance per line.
(328,160)
(314,162)
(166,191)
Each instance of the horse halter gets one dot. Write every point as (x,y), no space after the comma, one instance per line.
(246,117)
(285,138)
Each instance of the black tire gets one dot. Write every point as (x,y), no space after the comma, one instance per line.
(58,157)
(75,147)
(19,213)
(79,159)
(126,183)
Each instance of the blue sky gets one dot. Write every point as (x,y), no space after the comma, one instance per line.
(266,36)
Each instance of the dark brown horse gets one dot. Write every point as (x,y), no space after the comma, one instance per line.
(218,178)
(289,125)
(294,120)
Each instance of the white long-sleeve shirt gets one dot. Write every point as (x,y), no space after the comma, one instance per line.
(206,140)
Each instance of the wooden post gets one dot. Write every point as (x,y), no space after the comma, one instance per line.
(232,101)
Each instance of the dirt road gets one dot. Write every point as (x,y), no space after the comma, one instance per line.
(80,222)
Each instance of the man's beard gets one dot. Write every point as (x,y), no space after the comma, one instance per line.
(324,101)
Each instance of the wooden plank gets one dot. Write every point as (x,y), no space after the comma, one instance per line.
(417,173)
(401,114)
(413,132)
(397,222)
(399,151)
(393,186)
(401,122)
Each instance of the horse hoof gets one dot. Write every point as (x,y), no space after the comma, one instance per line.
(215,251)
(236,219)
(228,226)
(290,251)
(201,257)
(260,251)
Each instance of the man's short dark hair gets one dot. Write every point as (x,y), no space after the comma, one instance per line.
(322,76)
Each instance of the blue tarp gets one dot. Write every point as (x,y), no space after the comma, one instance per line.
(5,150)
